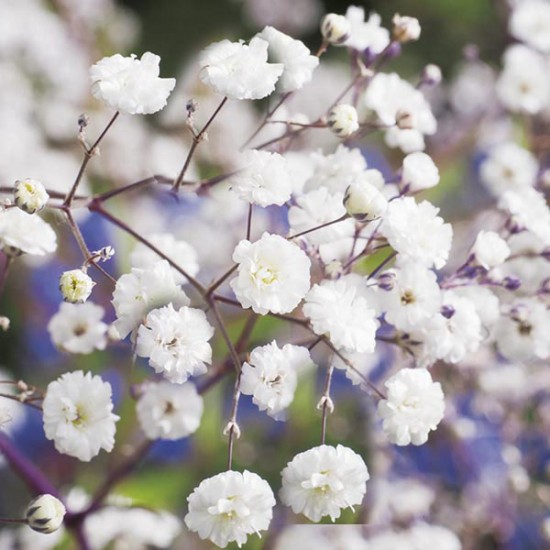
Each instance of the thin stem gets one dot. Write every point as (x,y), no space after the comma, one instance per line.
(230,347)
(382,264)
(14,520)
(316,228)
(84,247)
(35,480)
(326,402)
(96,207)
(88,154)
(196,140)
(216,284)
(132,187)
(349,364)
(118,474)
(233,427)
(249,222)
(8,260)
(23,402)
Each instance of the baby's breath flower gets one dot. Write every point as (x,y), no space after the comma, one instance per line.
(405,29)
(30,195)
(78,415)
(230,506)
(324,480)
(131,85)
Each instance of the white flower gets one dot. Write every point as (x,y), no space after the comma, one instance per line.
(336,171)
(366,34)
(30,195)
(264,180)
(131,85)
(181,252)
(273,274)
(25,233)
(335,29)
(298,62)
(338,309)
(45,514)
(342,119)
(414,298)
(530,23)
(414,405)
(169,411)
(138,292)
(490,249)
(176,342)
(431,75)
(230,506)
(509,167)
(317,208)
(402,108)
(75,286)
(462,332)
(239,71)
(419,172)
(271,375)
(363,199)
(529,209)
(78,328)
(417,232)
(78,415)
(524,84)
(405,28)
(522,334)
(324,480)
(123,528)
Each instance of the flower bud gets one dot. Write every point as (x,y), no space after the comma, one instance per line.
(342,120)
(386,281)
(447,311)
(364,201)
(76,286)
(30,195)
(405,29)
(335,29)
(511,283)
(431,75)
(45,514)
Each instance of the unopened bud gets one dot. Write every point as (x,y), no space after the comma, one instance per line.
(431,75)
(343,120)
(447,311)
(334,269)
(4,323)
(405,28)
(76,286)
(404,120)
(386,281)
(30,195)
(335,29)
(364,201)
(45,514)
(511,283)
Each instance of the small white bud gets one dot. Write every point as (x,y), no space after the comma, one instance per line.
(334,269)
(45,514)
(327,402)
(30,195)
(335,29)
(4,323)
(364,202)
(342,120)
(405,29)
(76,286)
(431,75)
(232,427)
